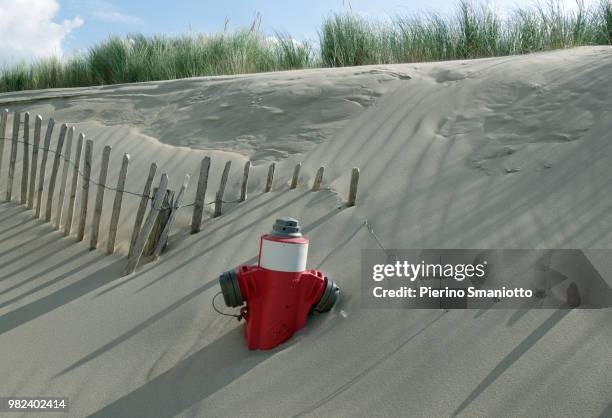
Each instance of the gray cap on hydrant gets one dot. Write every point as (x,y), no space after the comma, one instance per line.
(286,227)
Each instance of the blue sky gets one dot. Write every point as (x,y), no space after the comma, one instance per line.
(300,18)
(65,26)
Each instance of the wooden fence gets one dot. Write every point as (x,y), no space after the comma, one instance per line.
(152,229)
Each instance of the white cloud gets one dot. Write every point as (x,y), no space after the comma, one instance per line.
(105,11)
(115,17)
(28,30)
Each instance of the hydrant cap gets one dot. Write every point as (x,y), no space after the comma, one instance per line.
(286,227)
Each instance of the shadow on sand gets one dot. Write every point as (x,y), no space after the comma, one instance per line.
(513,356)
(190,381)
(63,296)
(150,321)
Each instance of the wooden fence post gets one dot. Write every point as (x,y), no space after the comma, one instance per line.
(34,162)
(160,222)
(74,185)
(245,181)
(353,189)
(143,236)
(15,137)
(316,186)
(163,239)
(43,166)
(296,175)
(97,215)
(112,234)
(144,200)
(25,168)
(3,119)
(64,179)
(198,208)
(85,191)
(53,178)
(270,177)
(572,295)
(221,191)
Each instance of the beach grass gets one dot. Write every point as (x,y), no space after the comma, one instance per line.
(140,58)
(345,39)
(473,31)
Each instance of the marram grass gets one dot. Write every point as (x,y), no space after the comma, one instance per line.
(345,39)
(140,58)
(473,31)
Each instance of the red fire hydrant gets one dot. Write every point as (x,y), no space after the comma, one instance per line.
(279,291)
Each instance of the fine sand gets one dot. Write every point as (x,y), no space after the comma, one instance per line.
(512,152)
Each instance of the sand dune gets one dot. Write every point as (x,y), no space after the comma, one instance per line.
(510,152)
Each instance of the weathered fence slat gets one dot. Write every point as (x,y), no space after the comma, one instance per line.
(296,175)
(245,181)
(316,185)
(3,120)
(198,208)
(143,236)
(142,208)
(97,214)
(163,239)
(85,191)
(160,222)
(112,233)
(34,162)
(353,189)
(25,167)
(55,169)
(270,177)
(572,296)
(43,166)
(74,185)
(11,173)
(221,191)
(64,179)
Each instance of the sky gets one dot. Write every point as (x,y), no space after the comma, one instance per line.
(31,29)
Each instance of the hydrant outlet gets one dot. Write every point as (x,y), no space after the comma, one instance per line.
(230,287)
(329,297)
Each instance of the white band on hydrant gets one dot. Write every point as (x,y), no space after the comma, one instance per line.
(283,256)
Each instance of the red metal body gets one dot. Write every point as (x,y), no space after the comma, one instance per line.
(278,303)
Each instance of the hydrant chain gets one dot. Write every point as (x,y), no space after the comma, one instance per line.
(239,317)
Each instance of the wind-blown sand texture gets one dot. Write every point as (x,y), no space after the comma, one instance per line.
(512,152)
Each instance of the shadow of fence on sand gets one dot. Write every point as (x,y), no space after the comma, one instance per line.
(513,356)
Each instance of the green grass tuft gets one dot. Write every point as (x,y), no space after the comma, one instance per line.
(473,31)
(138,58)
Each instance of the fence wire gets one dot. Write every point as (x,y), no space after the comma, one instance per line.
(95,183)
(370,229)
